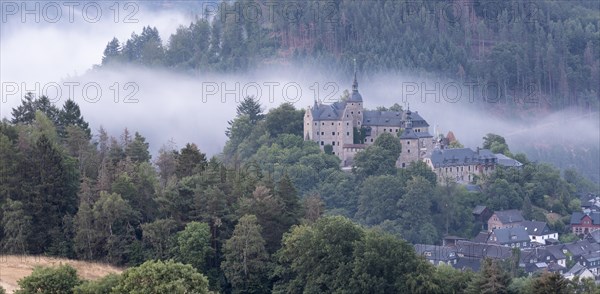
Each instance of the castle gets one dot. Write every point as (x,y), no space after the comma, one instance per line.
(348,128)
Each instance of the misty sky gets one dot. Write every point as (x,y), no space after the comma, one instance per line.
(166,106)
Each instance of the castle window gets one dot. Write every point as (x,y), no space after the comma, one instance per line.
(359,112)
(347,124)
(371,139)
(384,130)
(322,124)
(339,124)
(352,103)
(315,124)
(408,151)
(333,152)
(322,143)
(332,124)
(333,133)
(403,164)
(359,123)
(347,115)
(347,133)
(307,124)
(333,143)
(351,112)
(408,143)
(396,130)
(322,133)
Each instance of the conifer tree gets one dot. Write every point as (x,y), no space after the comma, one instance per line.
(245,261)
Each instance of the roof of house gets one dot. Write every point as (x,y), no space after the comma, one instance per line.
(460,156)
(556,251)
(533,255)
(434,252)
(464,263)
(509,216)
(590,257)
(510,235)
(535,228)
(577,216)
(506,161)
(593,236)
(482,237)
(479,209)
(581,247)
(576,270)
(482,250)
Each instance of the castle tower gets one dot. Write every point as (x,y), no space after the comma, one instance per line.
(354,105)
(410,143)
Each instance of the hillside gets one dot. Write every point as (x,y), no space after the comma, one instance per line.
(13,268)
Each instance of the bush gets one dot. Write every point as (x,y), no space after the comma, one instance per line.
(61,279)
(100,286)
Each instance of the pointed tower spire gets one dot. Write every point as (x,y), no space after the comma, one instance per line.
(355,83)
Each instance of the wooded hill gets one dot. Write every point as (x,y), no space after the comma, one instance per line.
(549,49)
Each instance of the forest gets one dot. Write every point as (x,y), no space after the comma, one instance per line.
(546,49)
(271,213)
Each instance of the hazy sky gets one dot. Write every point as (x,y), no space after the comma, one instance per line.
(166,106)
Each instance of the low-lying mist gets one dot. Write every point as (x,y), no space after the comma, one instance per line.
(168,106)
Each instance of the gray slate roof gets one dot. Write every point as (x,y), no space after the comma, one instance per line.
(481,250)
(436,253)
(506,161)
(577,216)
(479,209)
(581,247)
(535,228)
(333,111)
(542,254)
(576,270)
(510,235)
(460,156)
(510,216)
(593,236)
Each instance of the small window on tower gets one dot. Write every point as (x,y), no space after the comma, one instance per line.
(333,143)
(322,143)
(347,133)
(332,124)
(322,133)
(333,133)
(315,124)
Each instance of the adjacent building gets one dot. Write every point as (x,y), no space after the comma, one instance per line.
(515,237)
(461,165)
(584,223)
(505,219)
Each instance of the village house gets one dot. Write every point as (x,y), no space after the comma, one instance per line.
(515,237)
(505,219)
(583,223)
(539,232)
(437,254)
(580,271)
